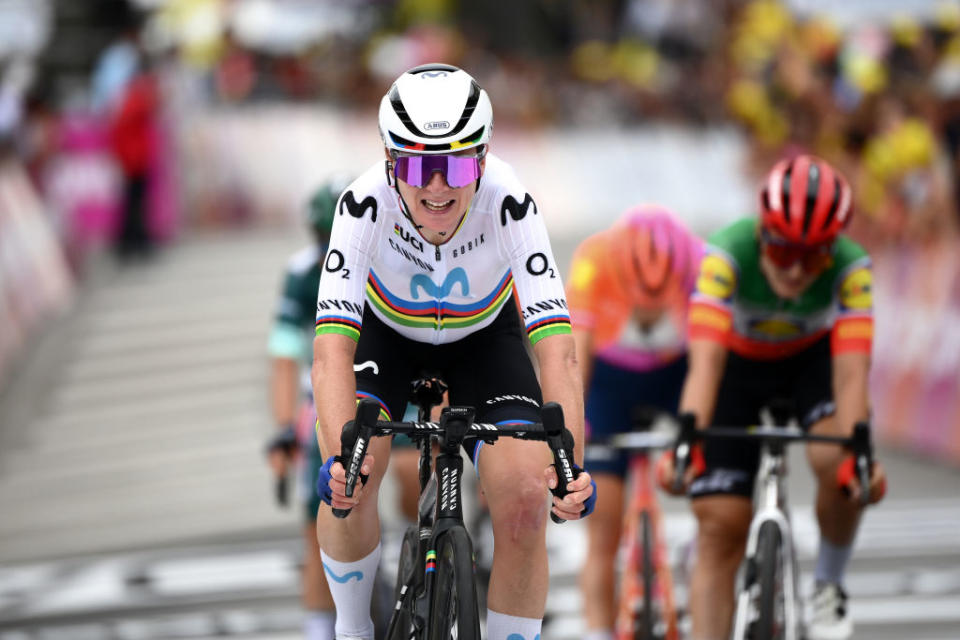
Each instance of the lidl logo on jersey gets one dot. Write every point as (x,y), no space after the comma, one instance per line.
(856,292)
(409,238)
(717,277)
(776,328)
(422,282)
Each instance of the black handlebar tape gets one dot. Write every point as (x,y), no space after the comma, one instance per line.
(354,439)
(863,452)
(682,449)
(561,443)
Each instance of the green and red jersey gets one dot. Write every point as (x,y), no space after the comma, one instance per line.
(733,303)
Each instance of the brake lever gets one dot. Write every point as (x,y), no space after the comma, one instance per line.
(682,449)
(560,441)
(355,438)
(863,452)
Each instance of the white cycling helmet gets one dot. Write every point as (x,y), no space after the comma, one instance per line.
(435,108)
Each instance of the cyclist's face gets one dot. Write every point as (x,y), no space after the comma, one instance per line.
(437,207)
(789,281)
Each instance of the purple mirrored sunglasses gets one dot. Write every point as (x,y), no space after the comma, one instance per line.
(458,171)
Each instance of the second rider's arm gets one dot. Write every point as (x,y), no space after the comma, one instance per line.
(706,361)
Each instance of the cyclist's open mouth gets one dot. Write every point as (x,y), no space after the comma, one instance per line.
(434,206)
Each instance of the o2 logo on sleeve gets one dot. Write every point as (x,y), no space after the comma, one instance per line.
(335,262)
(517,210)
(358,210)
(537,265)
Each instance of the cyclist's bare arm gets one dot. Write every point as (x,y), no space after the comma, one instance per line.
(583,339)
(560,381)
(706,359)
(851,372)
(284,382)
(334,392)
(850,382)
(284,386)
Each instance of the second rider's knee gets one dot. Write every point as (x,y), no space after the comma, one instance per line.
(720,535)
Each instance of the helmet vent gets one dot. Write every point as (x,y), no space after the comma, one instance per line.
(407,121)
(813,188)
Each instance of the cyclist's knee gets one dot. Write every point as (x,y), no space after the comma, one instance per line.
(521,511)
(723,523)
(824,461)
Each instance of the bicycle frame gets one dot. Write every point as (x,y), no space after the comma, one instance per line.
(456,424)
(643,501)
(770,505)
(433,520)
(643,505)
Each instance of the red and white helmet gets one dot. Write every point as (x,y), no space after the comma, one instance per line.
(806,201)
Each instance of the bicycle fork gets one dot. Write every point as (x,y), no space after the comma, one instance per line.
(771,506)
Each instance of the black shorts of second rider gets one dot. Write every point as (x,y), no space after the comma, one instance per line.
(803,379)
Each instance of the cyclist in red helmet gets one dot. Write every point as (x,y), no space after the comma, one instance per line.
(628,292)
(782,309)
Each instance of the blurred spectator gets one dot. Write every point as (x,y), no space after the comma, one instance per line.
(132,116)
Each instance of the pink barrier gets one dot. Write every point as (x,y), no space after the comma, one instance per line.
(35,282)
(915,380)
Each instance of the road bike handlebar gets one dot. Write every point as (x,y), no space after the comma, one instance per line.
(859,444)
(456,423)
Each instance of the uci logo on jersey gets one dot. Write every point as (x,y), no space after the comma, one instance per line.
(423,282)
(433,126)
(409,238)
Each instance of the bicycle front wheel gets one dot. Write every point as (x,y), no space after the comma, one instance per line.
(403,622)
(769,624)
(453,606)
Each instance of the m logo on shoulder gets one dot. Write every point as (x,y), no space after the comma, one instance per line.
(517,210)
(358,209)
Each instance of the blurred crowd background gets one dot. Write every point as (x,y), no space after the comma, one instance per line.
(124,125)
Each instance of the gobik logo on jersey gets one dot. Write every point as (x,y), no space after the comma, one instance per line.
(517,210)
(358,210)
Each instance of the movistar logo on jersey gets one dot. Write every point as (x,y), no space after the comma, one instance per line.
(356,209)
(516,210)
(422,282)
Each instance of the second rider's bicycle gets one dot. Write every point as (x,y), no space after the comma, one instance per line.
(768,601)
(436,591)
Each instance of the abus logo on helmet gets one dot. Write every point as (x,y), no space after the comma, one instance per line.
(433,126)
